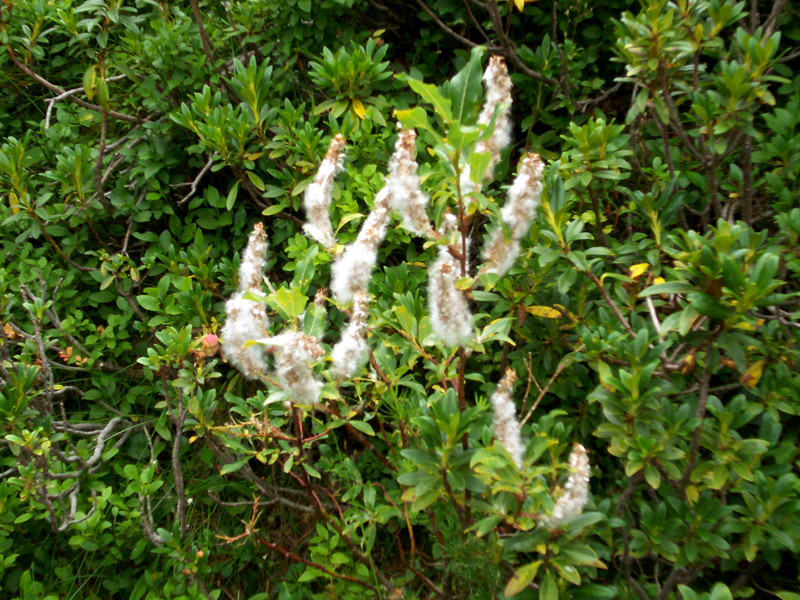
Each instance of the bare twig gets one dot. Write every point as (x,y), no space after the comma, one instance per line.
(61,91)
(611,304)
(561,366)
(67,94)
(98,169)
(772,19)
(194,183)
(700,414)
(208,47)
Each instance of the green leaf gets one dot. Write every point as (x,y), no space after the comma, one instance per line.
(521,578)
(289,302)
(102,93)
(304,270)
(720,591)
(484,526)
(585,520)
(652,476)
(478,163)
(581,555)
(424,500)
(670,287)
(149,302)
(498,330)
(312,471)
(464,90)
(416,478)
(406,320)
(548,590)
(272,210)
(462,137)
(764,270)
(568,572)
(347,218)
(362,427)
(309,574)
(430,93)
(90,81)
(314,320)
(257,181)
(420,457)
(232,467)
(232,196)
(709,306)
(413,118)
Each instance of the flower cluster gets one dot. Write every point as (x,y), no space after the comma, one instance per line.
(576,490)
(247,318)
(498,107)
(317,199)
(518,212)
(350,353)
(403,182)
(451,319)
(353,269)
(506,426)
(297,354)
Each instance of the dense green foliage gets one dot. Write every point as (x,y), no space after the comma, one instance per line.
(652,316)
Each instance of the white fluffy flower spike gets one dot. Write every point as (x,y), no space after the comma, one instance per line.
(350,353)
(296,355)
(576,490)
(506,425)
(517,213)
(247,319)
(317,198)
(404,187)
(353,270)
(451,319)
(498,99)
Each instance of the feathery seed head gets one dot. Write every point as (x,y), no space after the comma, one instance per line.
(517,213)
(353,269)
(350,353)
(317,199)
(403,182)
(251,270)
(498,97)
(451,319)
(247,319)
(576,490)
(296,354)
(506,425)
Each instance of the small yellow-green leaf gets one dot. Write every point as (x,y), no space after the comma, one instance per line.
(347,218)
(751,377)
(543,311)
(638,270)
(101,90)
(257,181)
(272,210)
(465,283)
(14,202)
(358,108)
(522,578)
(652,476)
(89,81)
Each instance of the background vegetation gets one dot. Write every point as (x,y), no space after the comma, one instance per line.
(652,316)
